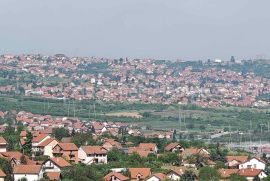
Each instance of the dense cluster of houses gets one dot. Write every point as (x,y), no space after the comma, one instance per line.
(126,80)
(64,153)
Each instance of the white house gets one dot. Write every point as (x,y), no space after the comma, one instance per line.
(30,172)
(255,163)
(92,154)
(175,174)
(46,147)
(36,141)
(3,144)
(55,164)
(251,173)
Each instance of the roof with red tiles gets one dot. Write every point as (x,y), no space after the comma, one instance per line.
(53,175)
(94,149)
(143,172)
(2,174)
(171,146)
(27,169)
(46,142)
(68,146)
(60,162)
(2,141)
(119,176)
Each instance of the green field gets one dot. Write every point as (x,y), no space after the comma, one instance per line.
(153,115)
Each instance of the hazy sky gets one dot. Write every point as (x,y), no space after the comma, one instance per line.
(170,29)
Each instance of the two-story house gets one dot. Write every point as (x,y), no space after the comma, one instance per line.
(255,163)
(92,154)
(69,151)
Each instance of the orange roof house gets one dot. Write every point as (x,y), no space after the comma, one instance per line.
(139,173)
(251,173)
(174,147)
(115,176)
(92,154)
(226,173)
(139,151)
(53,175)
(149,147)
(68,151)
(195,151)
(235,161)
(158,176)
(30,172)
(111,143)
(55,164)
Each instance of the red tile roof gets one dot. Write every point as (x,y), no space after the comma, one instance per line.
(68,146)
(27,169)
(240,159)
(148,146)
(171,146)
(46,142)
(139,151)
(225,173)
(119,176)
(53,175)
(94,150)
(39,138)
(2,141)
(2,174)
(143,172)
(161,176)
(60,162)
(249,172)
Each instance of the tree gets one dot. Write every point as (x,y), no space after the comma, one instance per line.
(174,135)
(257,178)
(266,178)
(208,174)
(80,139)
(171,158)
(188,176)
(27,147)
(115,155)
(235,177)
(6,167)
(59,133)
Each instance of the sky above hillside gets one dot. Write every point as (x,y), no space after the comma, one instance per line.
(162,29)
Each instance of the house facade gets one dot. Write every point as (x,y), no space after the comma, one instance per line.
(92,155)
(254,163)
(69,151)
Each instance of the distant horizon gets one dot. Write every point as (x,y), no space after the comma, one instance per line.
(70,56)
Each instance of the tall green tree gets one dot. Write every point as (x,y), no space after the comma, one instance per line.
(188,176)
(59,133)
(208,174)
(27,147)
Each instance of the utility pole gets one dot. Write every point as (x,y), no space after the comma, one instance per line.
(250,127)
(261,134)
(230,134)
(179,117)
(95,109)
(68,106)
(74,111)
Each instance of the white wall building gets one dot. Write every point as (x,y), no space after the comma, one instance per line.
(92,154)
(253,163)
